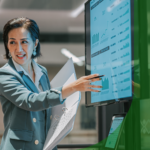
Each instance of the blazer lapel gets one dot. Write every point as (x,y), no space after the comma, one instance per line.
(43,82)
(30,85)
(28,82)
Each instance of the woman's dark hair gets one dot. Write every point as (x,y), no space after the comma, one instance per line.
(26,23)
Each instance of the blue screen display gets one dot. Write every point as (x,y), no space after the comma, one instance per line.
(111,55)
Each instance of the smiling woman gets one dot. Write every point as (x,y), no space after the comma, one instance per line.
(21,47)
(25,92)
(21,41)
(28,26)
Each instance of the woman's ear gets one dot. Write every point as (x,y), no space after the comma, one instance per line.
(36,42)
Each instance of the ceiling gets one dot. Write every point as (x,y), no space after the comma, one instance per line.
(41,4)
(51,15)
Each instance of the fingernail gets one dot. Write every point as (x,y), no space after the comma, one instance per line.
(99,91)
(100,78)
(101,86)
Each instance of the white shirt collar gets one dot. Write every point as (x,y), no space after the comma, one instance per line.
(37,70)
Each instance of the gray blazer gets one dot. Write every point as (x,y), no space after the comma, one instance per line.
(27,113)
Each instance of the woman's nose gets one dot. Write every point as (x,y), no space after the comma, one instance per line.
(19,47)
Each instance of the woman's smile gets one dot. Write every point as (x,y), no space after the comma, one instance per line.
(21,56)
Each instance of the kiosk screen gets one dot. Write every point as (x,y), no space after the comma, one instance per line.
(114,132)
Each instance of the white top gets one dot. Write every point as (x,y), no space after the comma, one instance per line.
(38,74)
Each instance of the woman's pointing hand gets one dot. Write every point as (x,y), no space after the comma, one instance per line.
(83,84)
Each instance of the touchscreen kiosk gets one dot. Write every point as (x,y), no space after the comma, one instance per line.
(109,49)
(115,131)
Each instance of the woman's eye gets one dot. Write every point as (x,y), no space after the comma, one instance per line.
(12,42)
(24,42)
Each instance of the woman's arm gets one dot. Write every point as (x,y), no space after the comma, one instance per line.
(11,89)
(82,84)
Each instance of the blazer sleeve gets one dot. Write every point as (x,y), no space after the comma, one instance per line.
(19,95)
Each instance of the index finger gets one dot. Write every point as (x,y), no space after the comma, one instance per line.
(91,76)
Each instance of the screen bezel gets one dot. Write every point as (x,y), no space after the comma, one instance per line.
(116,116)
(87,72)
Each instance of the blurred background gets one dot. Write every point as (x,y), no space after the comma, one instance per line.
(61,24)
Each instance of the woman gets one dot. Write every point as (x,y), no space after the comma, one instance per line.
(25,92)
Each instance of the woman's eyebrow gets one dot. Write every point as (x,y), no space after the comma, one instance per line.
(21,39)
(24,38)
(12,39)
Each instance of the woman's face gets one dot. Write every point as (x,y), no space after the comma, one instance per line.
(21,45)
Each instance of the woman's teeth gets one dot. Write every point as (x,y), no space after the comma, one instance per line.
(21,55)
